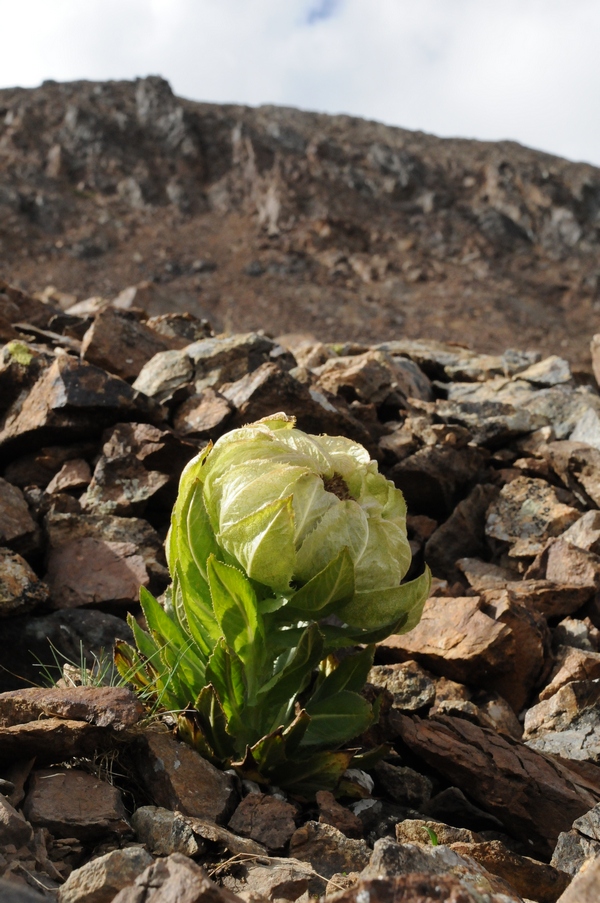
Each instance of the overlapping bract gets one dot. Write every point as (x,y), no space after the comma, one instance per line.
(274,531)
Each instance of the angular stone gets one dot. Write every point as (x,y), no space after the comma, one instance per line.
(72,803)
(374,377)
(115,707)
(409,684)
(328,850)
(403,785)
(266,819)
(13,827)
(491,423)
(164,832)
(203,416)
(121,344)
(420,887)
(585,532)
(16,522)
(462,535)
(571,664)
(180,326)
(526,513)
(573,851)
(178,778)
(100,879)
(175,879)
(453,362)
(279,879)
(485,575)
(551,371)
(414,830)
(587,429)
(17,892)
(71,400)
(433,477)
(454,638)
(74,474)
(166,376)
(584,887)
(568,723)
(54,740)
(225,841)
(38,468)
(225,359)
(333,813)
(452,807)
(20,587)
(572,565)
(578,466)
(589,824)
(547,598)
(530,878)
(535,797)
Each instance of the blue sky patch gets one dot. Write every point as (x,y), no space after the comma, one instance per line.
(321,9)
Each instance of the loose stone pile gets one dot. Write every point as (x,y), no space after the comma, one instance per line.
(491,789)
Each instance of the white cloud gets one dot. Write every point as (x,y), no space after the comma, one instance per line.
(528,70)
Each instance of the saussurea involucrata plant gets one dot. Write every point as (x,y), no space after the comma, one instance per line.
(285,550)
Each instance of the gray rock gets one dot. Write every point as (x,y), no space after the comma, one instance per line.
(12,892)
(573,850)
(100,879)
(410,685)
(567,724)
(403,785)
(277,880)
(175,879)
(164,832)
(328,850)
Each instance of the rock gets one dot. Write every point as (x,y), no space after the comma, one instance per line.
(54,740)
(402,784)
(568,723)
(120,343)
(13,827)
(416,830)
(490,422)
(585,532)
(277,880)
(175,879)
(454,638)
(21,590)
(328,850)
(100,879)
(534,797)
(409,684)
(462,535)
(571,664)
(164,832)
(38,468)
(224,841)
(595,349)
(71,400)
(584,887)
(547,598)
(332,813)
(74,474)
(73,803)
(115,707)
(589,824)
(573,851)
(178,778)
(572,565)
(484,575)
(16,523)
(373,377)
(266,819)
(165,376)
(452,807)
(417,888)
(180,326)
(137,464)
(530,878)
(552,371)
(587,429)
(16,892)
(578,466)
(432,478)
(203,416)
(526,513)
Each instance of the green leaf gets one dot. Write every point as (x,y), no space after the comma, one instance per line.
(188,730)
(337,719)
(236,610)
(375,608)
(177,650)
(333,585)
(295,731)
(200,619)
(305,777)
(296,674)
(263,543)
(225,672)
(212,722)
(350,674)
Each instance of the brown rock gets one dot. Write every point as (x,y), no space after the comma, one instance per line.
(414,888)
(71,400)
(485,575)
(530,878)
(203,416)
(16,522)
(178,778)
(332,813)
(266,819)
(533,796)
(39,467)
(328,850)
(13,827)
(175,879)
(571,664)
(164,832)
(120,343)
(374,376)
(74,474)
(548,598)
(578,466)
(91,571)
(415,830)
(526,513)
(20,587)
(462,535)
(572,565)
(433,477)
(115,707)
(278,879)
(585,532)
(72,803)
(584,887)
(53,740)
(454,638)
(100,879)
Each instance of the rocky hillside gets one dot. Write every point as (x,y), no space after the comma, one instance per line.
(289,221)
(490,706)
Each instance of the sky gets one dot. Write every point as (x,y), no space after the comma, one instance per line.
(526,70)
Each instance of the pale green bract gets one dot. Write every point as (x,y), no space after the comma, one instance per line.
(284,548)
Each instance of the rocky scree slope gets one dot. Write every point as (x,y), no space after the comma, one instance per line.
(490,705)
(347,228)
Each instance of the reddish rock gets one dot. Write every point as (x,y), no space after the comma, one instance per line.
(74,474)
(115,707)
(16,522)
(175,879)
(584,887)
(417,887)
(328,850)
(20,587)
(571,664)
(204,416)
(91,571)
(572,565)
(178,778)
(100,879)
(332,813)
(53,740)
(461,535)
(73,803)
(13,827)
(535,797)
(266,819)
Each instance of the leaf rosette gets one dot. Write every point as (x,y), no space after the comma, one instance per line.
(285,551)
